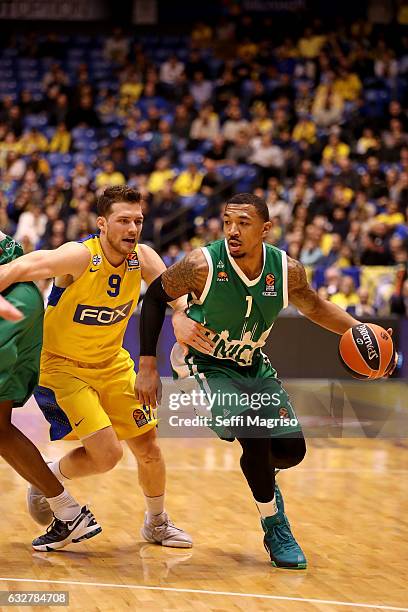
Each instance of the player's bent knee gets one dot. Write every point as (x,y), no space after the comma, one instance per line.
(107,460)
(289,452)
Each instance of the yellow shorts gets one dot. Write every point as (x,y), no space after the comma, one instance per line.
(78,399)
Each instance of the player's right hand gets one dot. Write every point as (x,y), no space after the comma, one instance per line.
(148,387)
(7,311)
(190,333)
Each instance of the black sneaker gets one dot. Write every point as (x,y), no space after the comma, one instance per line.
(61,533)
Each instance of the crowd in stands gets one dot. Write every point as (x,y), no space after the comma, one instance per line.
(315,123)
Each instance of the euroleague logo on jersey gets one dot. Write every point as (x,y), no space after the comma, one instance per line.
(283,412)
(222,277)
(133,261)
(140,417)
(270,285)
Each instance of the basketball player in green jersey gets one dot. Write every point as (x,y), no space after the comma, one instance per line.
(21,326)
(237,288)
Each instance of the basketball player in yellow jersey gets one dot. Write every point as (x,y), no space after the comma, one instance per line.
(87,378)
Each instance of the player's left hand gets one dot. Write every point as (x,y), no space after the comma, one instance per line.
(190,333)
(7,311)
(148,387)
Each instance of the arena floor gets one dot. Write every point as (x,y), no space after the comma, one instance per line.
(346,503)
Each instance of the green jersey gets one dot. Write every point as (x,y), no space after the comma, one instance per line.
(241,311)
(9,249)
(20,341)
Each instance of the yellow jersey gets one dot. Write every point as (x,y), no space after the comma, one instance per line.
(86,321)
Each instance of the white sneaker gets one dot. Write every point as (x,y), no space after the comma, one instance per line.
(60,533)
(38,506)
(160,530)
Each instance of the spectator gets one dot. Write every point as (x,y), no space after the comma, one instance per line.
(84,114)
(15,166)
(327,109)
(116,47)
(335,150)
(363,309)
(171,70)
(160,175)
(346,297)
(332,257)
(239,151)
(109,177)
(83,223)
(172,256)
(310,253)
(305,129)
(201,89)
(218,151)
(61,140)
(375,250)
(234,124)
(205,126)
(391,216)
(33,140)
(31,225)
(188,181)
(332,278)
(266,156)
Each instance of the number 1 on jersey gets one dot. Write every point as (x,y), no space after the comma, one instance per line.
(249,308)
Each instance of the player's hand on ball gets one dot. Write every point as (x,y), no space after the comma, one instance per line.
(7,311)
(148,387)
(191,333)
(393,364)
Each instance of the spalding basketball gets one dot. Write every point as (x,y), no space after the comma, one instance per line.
(366,350)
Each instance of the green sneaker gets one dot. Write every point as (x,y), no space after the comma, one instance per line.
(280,543)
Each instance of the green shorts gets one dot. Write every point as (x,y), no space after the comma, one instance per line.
(20,344)
(244,402)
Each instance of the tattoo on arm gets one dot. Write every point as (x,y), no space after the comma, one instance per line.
(300,293)
(186,276)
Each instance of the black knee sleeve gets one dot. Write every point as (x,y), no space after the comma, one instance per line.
(256,464)
(287,451)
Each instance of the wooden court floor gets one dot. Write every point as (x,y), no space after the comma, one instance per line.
(347,503)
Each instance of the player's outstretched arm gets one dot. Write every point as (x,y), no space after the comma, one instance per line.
(324,313)
(187,276)
(8,312)
(71,258)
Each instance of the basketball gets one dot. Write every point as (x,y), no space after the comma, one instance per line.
(366,350)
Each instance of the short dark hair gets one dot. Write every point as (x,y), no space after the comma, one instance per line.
(252,200)
(119,193)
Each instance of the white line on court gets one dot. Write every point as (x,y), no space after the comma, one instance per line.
(205,592)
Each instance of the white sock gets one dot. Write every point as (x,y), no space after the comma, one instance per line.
(64,506)
(55,469)
(154,505)
(268,509)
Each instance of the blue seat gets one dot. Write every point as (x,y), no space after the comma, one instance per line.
(55,159)
(190,157)
(64,171)
(36,121)
(227,172)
